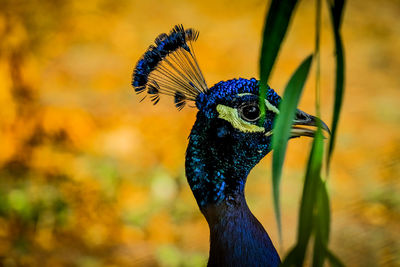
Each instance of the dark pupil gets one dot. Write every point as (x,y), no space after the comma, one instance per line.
(251,113)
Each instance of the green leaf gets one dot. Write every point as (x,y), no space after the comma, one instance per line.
(309,195)
(336,10)
(283,124)
(275,27)
(318,253)
(322,225)
(290,259)
(323,212)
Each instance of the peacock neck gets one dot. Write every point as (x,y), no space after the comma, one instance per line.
(212,167)
(237,238)
(217,181)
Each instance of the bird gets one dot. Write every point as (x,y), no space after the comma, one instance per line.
(229,137)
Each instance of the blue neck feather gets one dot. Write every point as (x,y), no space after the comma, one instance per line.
(217,165)
(213,169)
(237,238)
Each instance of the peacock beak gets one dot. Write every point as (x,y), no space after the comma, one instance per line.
(302,118)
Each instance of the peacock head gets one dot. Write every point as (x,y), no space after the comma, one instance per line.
(230,135)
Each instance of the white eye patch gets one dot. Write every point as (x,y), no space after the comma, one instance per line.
(231,115)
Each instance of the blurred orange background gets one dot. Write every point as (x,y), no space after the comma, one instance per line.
(91,177)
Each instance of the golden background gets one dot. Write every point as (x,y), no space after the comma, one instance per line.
(91,177)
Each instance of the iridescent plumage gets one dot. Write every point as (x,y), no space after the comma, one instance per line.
(227,140)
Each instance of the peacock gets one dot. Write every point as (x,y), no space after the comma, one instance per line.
(230,136)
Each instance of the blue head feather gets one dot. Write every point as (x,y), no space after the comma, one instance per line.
(219,156)
(226,91)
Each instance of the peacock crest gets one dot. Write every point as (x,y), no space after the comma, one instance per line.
(170,67)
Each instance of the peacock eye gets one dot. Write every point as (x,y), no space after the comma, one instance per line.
(250,112)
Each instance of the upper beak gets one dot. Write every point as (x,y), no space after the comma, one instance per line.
(302,118)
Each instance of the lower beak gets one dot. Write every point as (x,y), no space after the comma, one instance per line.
(302,118)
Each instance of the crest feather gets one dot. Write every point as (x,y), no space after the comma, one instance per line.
(170,67)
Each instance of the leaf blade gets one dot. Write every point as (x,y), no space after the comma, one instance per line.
(336,11)
(322,225)
(276,24)
(282,126)
(306,213)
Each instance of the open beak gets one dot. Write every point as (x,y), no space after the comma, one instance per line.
(302,118)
